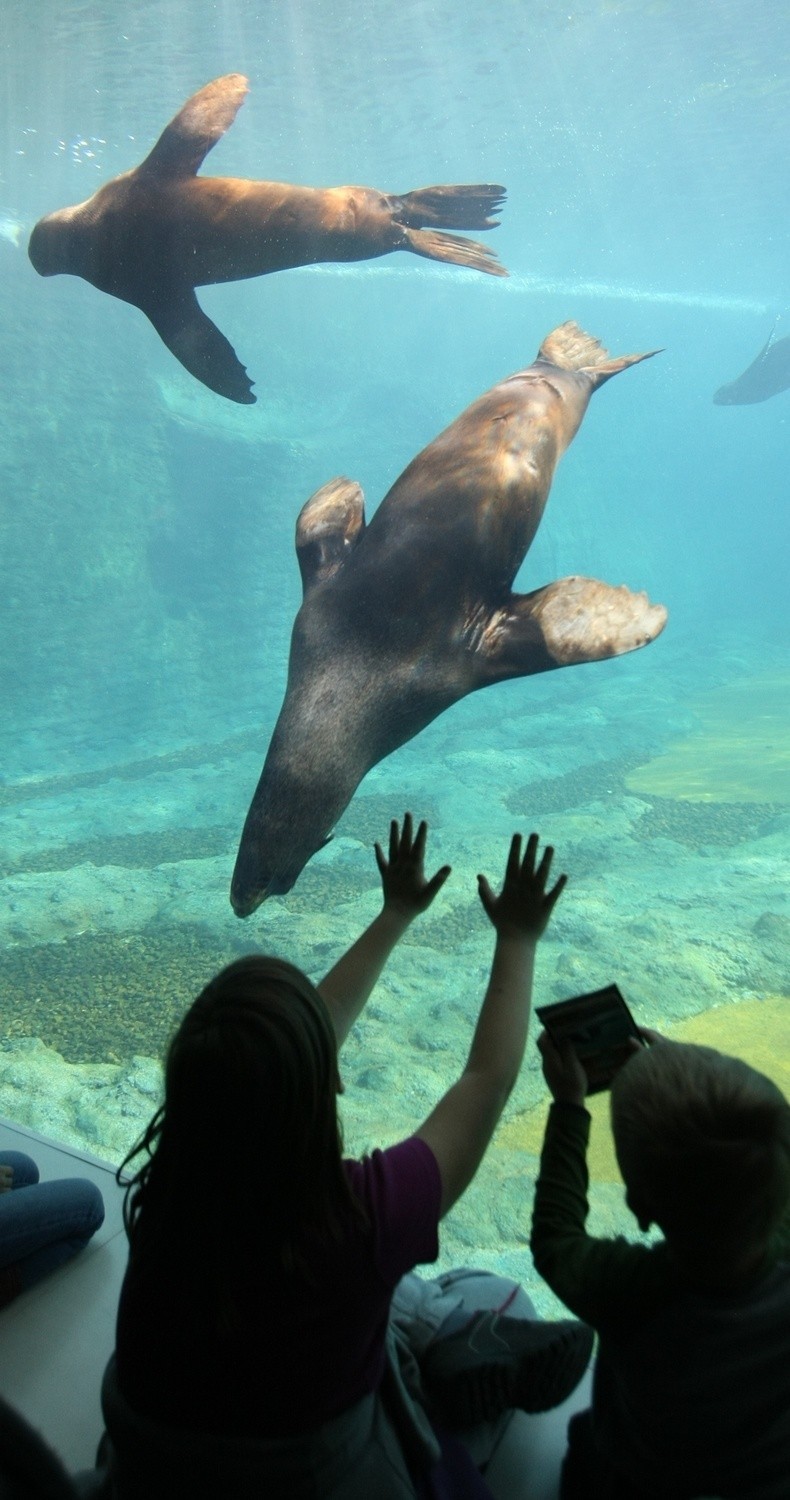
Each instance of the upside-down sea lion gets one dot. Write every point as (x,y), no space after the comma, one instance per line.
(403,617)
(153,234)
(765,377)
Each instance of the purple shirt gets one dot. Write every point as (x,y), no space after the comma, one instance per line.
(306,1352)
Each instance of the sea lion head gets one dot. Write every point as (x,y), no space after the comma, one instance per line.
(59,244)
(303,789)
(275,847)
(314,765)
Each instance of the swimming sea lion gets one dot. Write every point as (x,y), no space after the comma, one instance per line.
(403,617)
(766,376)
(153,234)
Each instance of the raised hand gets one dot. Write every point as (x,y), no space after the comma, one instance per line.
(524,905)
(406,889)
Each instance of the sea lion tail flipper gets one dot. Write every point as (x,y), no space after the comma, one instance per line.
(199,124)
(568,622)
(197,342)
(450,247)
(329,524)
(450,206)
(570,348)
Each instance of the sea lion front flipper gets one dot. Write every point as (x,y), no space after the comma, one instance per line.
(329,524)
(199,124)
(568,622)
(197,342)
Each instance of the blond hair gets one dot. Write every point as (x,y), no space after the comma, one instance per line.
(703,1145)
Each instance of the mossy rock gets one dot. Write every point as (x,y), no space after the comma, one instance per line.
(557,794)
(697,824)
(105,997)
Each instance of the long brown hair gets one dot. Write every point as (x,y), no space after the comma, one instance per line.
(244,1157)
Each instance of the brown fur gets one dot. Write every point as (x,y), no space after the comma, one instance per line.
(153,234)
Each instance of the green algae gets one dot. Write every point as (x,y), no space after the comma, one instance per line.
(699,823)
(463,923)
(131,851)
(554,794)
(105,997)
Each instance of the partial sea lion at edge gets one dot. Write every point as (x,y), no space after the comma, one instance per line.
(153,234)
(403,617)
(765,377)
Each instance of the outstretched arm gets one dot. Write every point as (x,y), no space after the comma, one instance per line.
(460,1127)
(406,893)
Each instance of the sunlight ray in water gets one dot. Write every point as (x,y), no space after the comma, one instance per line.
(564,286)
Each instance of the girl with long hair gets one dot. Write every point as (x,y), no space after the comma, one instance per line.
(256,1306)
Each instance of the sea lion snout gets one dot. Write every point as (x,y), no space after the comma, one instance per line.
(45,247)
(246,901)
(57,245)
(274,848)
(250,887)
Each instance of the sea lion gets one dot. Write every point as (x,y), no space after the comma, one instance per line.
(153,234)
(765,377)
(404,617)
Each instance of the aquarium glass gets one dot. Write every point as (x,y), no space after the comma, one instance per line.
(150,581)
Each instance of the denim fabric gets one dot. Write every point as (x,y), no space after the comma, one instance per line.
(42,1224)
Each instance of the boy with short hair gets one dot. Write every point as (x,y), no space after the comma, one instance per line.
(691,1392)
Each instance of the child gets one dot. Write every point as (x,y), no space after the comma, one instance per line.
(256,1305)
(691,1392)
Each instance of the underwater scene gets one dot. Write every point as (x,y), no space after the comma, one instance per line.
(148,513)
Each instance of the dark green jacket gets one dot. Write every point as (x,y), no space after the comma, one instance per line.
(691,1392)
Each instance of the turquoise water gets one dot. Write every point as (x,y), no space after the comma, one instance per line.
(150,580)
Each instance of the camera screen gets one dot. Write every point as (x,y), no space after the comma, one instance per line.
(601,1028)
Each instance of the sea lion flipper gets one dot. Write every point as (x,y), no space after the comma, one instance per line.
(570,348)
(766,376)
(769,341)
(197,342)
(451,247)
(199,124)
(568,622)
(329,524)
(450,206)
(425,211)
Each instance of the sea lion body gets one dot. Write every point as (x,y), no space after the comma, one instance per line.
(153,234)
(404,617)
(216,229)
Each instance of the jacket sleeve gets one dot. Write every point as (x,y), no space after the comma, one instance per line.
(603,1281)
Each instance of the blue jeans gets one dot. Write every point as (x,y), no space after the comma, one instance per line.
(42,1224)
